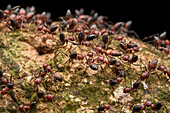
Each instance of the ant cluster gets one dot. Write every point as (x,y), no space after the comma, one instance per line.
(160,42)
(88,40)
(8,85)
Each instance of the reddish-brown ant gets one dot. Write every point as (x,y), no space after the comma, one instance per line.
(151,66)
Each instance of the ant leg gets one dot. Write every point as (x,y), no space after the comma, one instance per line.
(76,36)
(6,102)
(75,48)
(144,66)
(70,48)
(78,47)
(21,24)
(136,65)
(134,33)
(132,76)
(52,78)
(165,107)
(29,24)
(13,96)
(86,69)
(94,43)
(153,75)
(109,44)
(36,29)
(103,97)
(101,67)
(67,61)
(9,27)
(152,36)
(157,75)
(55,56)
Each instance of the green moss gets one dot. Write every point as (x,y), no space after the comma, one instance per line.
(71,106)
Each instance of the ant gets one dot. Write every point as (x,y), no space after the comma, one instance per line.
(159,41)
(7,87)
(156,107)
(121,27)
(151,66)
(164,70)
(128,47)
(72,56)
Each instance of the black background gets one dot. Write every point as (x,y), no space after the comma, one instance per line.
(149,17)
